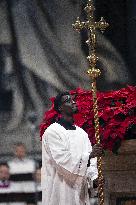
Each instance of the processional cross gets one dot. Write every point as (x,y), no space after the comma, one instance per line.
(91,26)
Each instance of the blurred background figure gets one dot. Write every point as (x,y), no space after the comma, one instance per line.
(4,175)
(7,186)
(38,178)
(21,163)
(34,187)
(20,189)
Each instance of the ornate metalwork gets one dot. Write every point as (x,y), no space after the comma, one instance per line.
(91,26)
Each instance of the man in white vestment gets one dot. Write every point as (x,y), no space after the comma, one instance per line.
(68,158)
(21,164)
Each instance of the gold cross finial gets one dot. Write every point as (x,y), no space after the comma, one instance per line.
(91,25)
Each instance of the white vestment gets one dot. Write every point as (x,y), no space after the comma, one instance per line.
(21,166)
(65,155)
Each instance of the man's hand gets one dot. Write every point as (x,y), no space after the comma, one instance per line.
(97,151)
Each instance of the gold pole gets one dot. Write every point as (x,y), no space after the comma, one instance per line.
(93,73)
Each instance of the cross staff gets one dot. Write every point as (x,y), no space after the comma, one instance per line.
(91,25)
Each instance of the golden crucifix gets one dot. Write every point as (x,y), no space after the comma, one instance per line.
(93,73)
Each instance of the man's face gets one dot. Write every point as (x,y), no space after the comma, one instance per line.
(20,152)
(68,105)
(4,172)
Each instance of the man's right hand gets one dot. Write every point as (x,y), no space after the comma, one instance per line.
(97,151)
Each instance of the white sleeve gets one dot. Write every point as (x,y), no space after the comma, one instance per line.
(61,157)
(92,170)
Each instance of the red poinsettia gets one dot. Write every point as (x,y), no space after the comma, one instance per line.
(117,112)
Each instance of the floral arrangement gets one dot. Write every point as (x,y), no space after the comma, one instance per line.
(117,115)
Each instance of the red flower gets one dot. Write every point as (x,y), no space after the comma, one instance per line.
(117,111)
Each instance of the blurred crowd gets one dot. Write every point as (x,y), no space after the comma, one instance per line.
(20,179)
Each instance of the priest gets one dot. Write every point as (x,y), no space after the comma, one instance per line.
(68,159)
